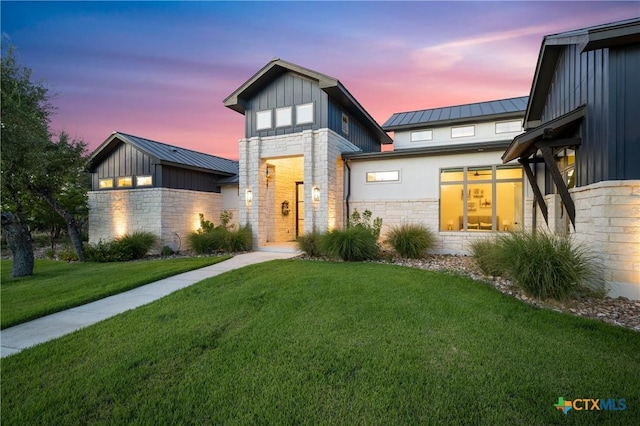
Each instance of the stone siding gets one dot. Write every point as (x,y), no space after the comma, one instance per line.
(171,214)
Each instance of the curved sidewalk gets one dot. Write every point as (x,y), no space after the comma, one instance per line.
(14,339)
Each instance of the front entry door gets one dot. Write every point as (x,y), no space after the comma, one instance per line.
(299,209)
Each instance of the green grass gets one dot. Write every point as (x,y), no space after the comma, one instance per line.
(56,286)
(301,342)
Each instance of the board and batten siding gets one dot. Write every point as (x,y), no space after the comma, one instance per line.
(287,90)
(125,160)
(358,134)
(193,180)
(604,80)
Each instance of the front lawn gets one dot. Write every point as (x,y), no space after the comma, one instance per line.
(56,286)
(304,342)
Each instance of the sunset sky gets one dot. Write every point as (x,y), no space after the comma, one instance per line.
(161,70)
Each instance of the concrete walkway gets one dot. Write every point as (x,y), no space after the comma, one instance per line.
(19,337)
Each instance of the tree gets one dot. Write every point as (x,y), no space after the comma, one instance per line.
(32,164)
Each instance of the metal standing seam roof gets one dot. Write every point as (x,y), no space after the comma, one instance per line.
(170,154)
(457,113)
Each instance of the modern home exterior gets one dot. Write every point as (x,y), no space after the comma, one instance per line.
(581,150)
(564,159)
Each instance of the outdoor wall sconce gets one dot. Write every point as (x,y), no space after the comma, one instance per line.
(285,208)
(315,195)
(248,197)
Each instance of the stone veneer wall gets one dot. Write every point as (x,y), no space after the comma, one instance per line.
(170,214)
(608,222)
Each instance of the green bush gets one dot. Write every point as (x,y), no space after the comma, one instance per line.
(486,253)
(547,266)
(309,243)
(355,243)
(207,242)
(364,221)
(410,240)
(128,247)
(166,251)
(238,240)
(68,255)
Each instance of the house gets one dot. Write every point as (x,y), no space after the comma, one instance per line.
(563,159)
(143,185)
(581,148)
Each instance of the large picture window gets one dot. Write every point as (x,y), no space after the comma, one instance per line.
(476,199)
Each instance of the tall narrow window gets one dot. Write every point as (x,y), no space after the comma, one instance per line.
(345,124)
(263,120)
(485,198)
(304,114)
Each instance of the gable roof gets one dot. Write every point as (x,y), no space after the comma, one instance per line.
(597,37)
(165,154)
(332,86)
(503,108)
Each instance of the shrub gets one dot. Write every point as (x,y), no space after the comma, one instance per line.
(352,244)
(486,253)
(166,251)
(136,245)
(68,255)
(125,248)
(238,240)
(207,242)
(364,221)
(309,243)
(410,240)
(546,266)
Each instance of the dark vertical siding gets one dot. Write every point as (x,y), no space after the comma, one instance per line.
(177,178)
(358,134)
(584,79)
(124,160)
(624,114)
(287,90)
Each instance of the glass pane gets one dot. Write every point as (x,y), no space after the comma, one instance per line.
(509,206)
(479,173)
(451,175)
(125,181)
(464,131)
(424,135)
(263,120)
(304,113)
(283,117)
(105,183)
(143,181)
(509,172)
(479,207)
(451,211)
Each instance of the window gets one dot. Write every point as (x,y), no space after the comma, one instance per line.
(144,181)
(105,183)
(345,124)
(388,176)
(125,182)
(422,135)
(304,114)
(463,131)
(509,126)
(283,117)
(485,198)
(263,119)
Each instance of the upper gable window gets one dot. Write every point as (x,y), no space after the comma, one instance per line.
(386,176)
(125,182)
(463,131)
(422,135)
(105,183)
(146,180)
(304,114)
(509,126)
(263,120)
(283,117)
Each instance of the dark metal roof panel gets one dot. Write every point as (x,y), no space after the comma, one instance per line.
(181,156)
(457,112)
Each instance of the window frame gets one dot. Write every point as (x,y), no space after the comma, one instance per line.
(103,188)
(429,138)
(290,117)
(508,122)
(139,185)
(264,113)
(122,178)
(367,174)
(470,126)
(304,106)
(345,124)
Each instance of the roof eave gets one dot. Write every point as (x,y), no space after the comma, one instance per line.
(431,150)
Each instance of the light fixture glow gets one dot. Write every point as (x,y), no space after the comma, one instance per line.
(249,197)
(316,194)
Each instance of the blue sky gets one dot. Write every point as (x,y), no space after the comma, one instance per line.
(162,69)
